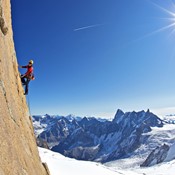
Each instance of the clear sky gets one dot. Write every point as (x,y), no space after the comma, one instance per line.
(92,57)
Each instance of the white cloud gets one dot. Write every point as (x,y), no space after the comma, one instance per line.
(163,111)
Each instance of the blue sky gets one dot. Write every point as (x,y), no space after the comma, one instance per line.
(92,57)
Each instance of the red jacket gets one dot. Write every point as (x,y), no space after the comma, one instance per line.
(29,70)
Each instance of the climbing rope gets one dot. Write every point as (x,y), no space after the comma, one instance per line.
(28,103)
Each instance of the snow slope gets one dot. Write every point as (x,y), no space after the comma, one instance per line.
(166,168)
(60,165)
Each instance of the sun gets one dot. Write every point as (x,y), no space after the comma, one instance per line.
(170,19)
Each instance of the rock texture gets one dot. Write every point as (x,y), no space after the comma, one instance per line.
(3,27)
(18,150)
(163,153)
(158,155)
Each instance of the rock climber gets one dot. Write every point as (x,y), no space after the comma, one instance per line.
(25,78)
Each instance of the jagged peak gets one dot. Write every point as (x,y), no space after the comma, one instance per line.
(138,117)
(119,112)
(118,115)
(148,111)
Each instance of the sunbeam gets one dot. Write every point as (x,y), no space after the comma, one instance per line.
(162,29)
(164,9)
(170,20)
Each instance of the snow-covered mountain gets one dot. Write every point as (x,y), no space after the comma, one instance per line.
(163,153)
(151,151)
(128,134)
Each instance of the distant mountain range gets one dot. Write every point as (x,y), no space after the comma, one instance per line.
(100,140)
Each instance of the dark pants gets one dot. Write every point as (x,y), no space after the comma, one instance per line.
(25,81)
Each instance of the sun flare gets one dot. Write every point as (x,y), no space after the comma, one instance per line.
(170,19)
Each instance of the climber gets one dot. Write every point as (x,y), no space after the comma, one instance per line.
(27,76)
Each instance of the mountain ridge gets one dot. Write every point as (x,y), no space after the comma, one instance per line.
(92,139)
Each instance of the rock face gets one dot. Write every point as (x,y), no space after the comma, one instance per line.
(160,154)
(18,149)
(93,139)
(156,156)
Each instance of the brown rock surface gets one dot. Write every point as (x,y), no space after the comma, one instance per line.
(18,150)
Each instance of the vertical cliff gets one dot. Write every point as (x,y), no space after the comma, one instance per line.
(18,150)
